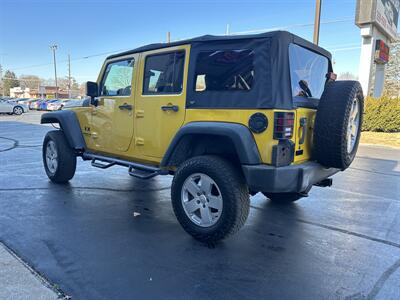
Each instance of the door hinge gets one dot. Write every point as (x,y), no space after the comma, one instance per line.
(139,141)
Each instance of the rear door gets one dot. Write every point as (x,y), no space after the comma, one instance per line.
(112,123)
(160,99)
(5,107)
(308,72)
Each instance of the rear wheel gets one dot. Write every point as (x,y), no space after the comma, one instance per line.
(59,158)
(18,110)
(210,198)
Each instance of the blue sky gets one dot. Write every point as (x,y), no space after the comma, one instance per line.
(89,29)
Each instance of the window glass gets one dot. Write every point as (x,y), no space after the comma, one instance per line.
(224,70)
(163,73)
(307,69)
(117,78)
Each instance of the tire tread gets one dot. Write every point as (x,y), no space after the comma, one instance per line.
(225,175)
(330,148)
(66,157)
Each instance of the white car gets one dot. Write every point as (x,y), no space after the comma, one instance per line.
(55,105)
(74,103)
(12,107)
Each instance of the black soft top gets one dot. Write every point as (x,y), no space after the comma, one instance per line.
(283,36)
(271,83)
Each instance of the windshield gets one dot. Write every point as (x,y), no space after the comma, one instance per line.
(307,72)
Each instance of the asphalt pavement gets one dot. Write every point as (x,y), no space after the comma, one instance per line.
(107,235)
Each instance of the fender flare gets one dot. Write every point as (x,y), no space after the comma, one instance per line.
(69,124)
(241,137)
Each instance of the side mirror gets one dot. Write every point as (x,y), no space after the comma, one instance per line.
(92,90)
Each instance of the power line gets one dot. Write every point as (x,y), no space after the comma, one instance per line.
(347,19)
(22,79)
(293,26)
(345,49)
(72,59)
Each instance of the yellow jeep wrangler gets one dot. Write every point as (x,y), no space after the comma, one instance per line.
(227,116)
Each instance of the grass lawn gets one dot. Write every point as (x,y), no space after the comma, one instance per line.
(381,138)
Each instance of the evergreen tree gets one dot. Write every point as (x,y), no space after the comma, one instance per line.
(9,81)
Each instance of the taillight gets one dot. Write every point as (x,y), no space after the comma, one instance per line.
(283,125)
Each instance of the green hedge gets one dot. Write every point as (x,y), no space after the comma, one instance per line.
(382,114)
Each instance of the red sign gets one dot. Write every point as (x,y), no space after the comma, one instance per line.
(381,52)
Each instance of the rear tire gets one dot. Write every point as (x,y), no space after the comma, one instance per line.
(338,124)
(18,110)
(227,184)
(59,158)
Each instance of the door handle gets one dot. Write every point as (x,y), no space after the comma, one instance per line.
(125,106)
(303,126)
(174,108)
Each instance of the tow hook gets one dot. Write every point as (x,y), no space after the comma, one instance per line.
(324,183)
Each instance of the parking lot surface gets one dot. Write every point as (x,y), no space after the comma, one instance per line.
(107,235)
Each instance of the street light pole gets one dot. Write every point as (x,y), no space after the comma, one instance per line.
(317,21)
(1,80)
(69,76)
(54,48)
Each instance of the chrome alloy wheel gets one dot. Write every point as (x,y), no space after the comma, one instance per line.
(352,126)
(18,110)
(201,200)
(51,157)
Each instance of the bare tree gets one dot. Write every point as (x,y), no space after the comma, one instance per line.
(347,76)
(29,81)
(122,78)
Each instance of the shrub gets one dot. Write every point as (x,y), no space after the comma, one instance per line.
(382,114)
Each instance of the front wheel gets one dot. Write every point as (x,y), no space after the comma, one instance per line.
(59,158)
(210,198)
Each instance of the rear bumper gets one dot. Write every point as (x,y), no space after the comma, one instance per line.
(294,178)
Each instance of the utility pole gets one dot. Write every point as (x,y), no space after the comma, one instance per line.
(1,80)
(168,37)
(54,48)
(69,76)
(1,73)
(227,31)
(317,21)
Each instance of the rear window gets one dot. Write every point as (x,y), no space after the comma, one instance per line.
(307,68)
(224,70)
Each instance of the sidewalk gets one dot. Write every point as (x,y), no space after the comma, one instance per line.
(19,282)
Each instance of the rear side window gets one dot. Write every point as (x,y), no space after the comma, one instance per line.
(224,70)
(163,73)
(309,69)
(117,79)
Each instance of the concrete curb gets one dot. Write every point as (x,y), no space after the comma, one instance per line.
(19,281)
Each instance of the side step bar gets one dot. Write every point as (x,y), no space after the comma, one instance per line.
(135,169)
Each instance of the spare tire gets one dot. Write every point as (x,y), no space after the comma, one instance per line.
(338,124)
